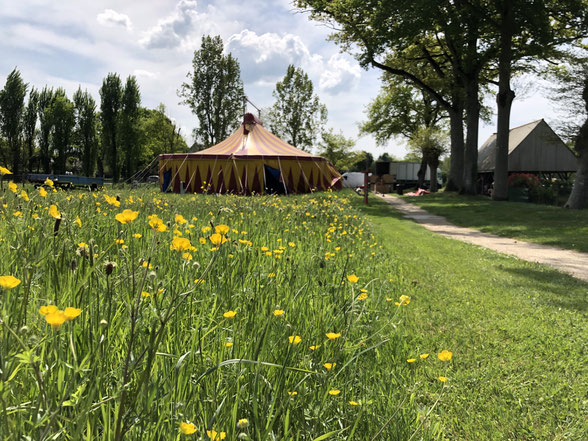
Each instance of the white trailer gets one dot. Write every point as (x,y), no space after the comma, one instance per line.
(405,174)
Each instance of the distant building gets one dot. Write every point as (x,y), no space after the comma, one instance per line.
(532,148)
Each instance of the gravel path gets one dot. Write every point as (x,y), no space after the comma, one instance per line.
(571,262)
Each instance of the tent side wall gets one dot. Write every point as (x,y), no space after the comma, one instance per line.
(245,175)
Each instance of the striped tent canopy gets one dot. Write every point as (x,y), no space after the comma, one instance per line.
(250,161)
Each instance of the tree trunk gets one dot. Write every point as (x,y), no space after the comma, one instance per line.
(504,103)
(455,179)
(433,164)
(579,197)
(470,170)
(422,172)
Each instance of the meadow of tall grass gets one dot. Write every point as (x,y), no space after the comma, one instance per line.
(131,314)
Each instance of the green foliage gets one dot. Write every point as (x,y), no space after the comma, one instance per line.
(46,97)
(130,126)
(214,92)
(338,149)
(12,106)
(110,106)
(86,130)
(61,114)
(29,127)
(159,134)
(297,116)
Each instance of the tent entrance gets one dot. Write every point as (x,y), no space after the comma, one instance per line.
(274,184)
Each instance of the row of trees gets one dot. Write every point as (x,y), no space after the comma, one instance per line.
(47,131)
(451,52)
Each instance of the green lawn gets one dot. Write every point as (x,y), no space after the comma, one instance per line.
(543,224)
(517,330)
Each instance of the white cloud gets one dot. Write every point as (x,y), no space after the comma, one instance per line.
(142,73)
(339,74)
(174,30)
(111,18)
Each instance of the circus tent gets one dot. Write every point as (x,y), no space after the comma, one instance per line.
(250,161)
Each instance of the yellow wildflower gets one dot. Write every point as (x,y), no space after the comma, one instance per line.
(221,229)
(112,200)
(187,428)
(411,360)
(145,294)
(362,296)
(294,339)
(78,222)
(404,300)
(54,212)
(46,310)
(444,355)
(352,278)
(137,236)
(9,282)
(48,182)
(334,392)
(354,403)
(442,379)
(180,219)
(187,256)
(278,312)
(24,196)
(243,423)
(157,224)
(332,335)
(180,244)
(423,356)
(293,394)
(215,436)
(329,366)
(217,239)
(4,171)
(72,313)
(42,192)
(127,216)
(230,314)
(56,319)
(314,347)
(13,187)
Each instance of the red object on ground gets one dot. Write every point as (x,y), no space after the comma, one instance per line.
(419,192)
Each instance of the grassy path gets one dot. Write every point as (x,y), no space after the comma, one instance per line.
(542,224)
(517,331)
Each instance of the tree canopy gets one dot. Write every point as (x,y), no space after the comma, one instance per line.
(214,92)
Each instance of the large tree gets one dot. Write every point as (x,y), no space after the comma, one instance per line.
(46,97)
(338,149)
(297,115)
(129,126)
(86,130)
(110,105)
(62,117)
(12,105)
(29,126)
(159,134)
(214,92)
(525,32)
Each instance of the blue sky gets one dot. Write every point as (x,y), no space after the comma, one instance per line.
(68,43)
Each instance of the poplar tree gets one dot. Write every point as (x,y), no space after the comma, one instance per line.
(86,130)
(12,105)
(110,105)
(29,127)
(129,126)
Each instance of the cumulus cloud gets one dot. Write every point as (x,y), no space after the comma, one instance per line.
(111,18)
(142,73)
(339,74)
(172,31)
(264,58)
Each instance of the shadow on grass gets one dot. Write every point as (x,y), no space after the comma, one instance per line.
(566,291)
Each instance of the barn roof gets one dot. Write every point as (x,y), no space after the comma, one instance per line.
(532,147)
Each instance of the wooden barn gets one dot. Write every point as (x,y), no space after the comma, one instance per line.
(532,148)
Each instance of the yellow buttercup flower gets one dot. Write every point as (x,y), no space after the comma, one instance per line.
(294,339)
(48,309)
(334,392)
(423,356)
(180,244)
(445,355)
(78,222)
(112,200)
(187,428)
(56,319)
(354,403)
(230,314)
(9,282)
(332,335)
(404,300)
(216,436)
(352,278)
(217,239)
(48,182)
(180,219)
(137,236)
(13,187)
(4,171)
(42,192)
(329,366)
(293,393)
(362,296)
(145,294)
(127,216)
(411,360)
(54,212)
(442,379)
(243,423)
(24,196)
(157,224)
(221,229)
(314,347)
(72,313)
(278,312)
